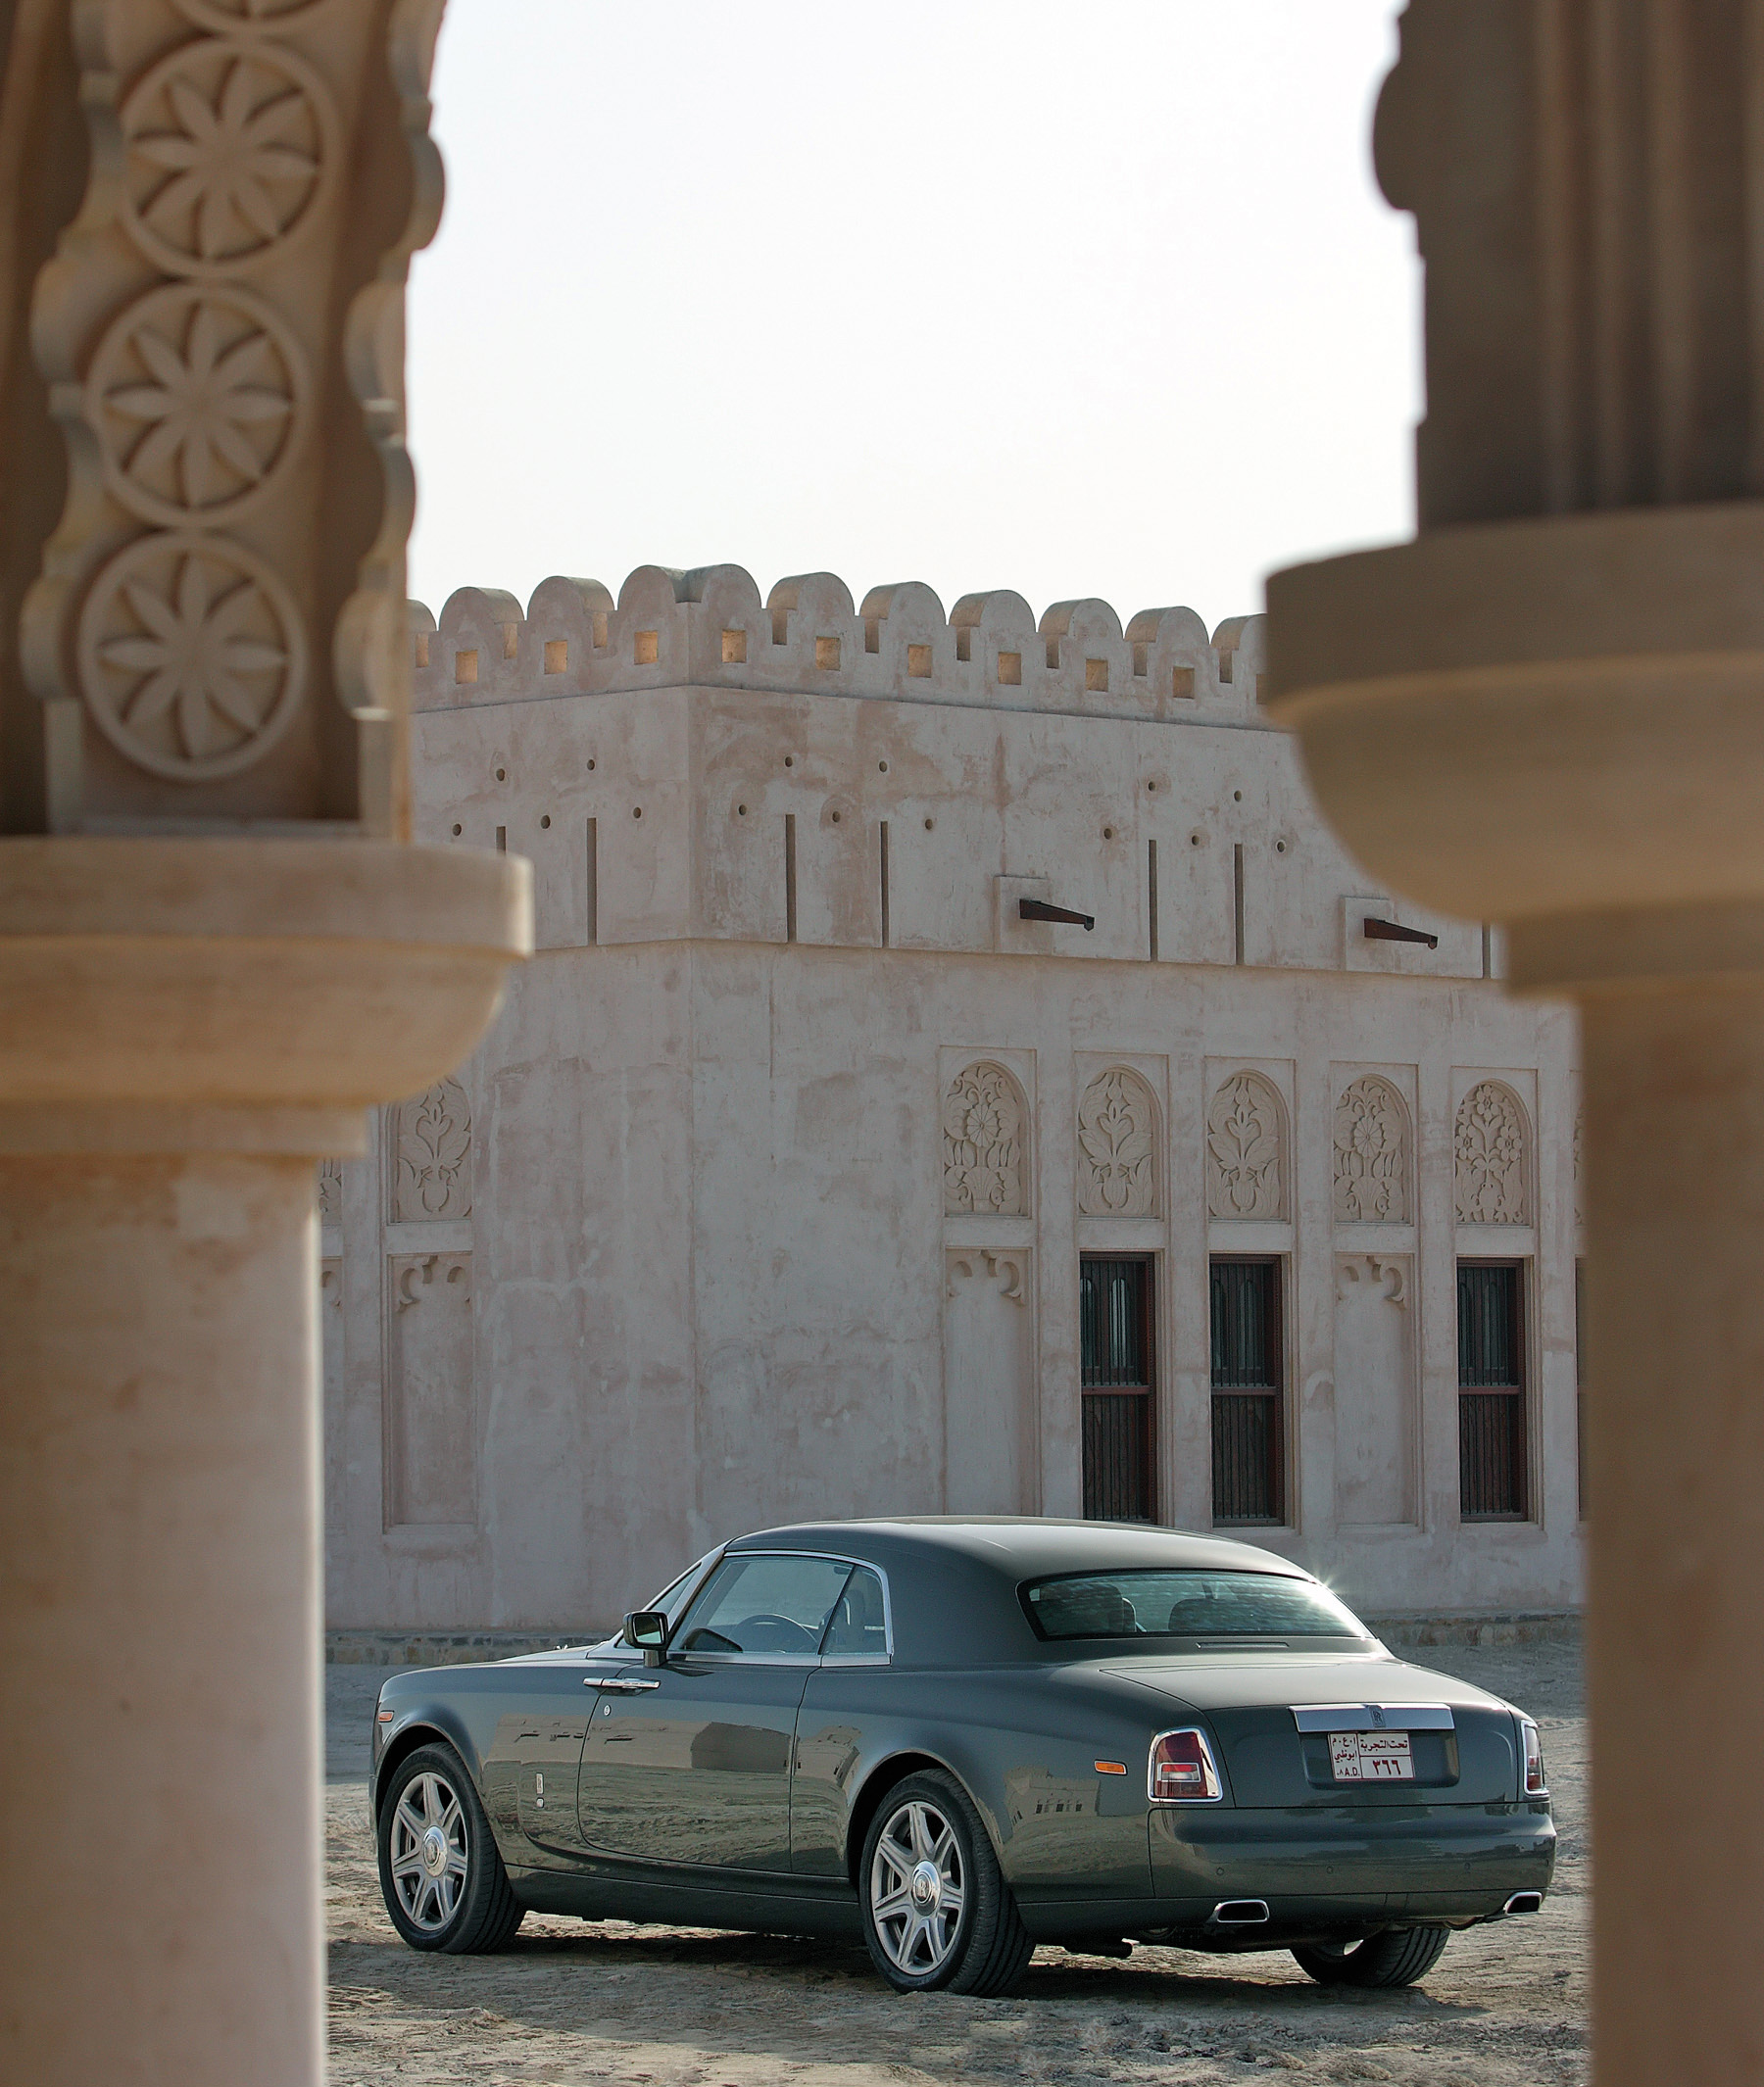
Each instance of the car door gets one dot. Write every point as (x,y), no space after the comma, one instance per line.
(689,1763)
(531,1761)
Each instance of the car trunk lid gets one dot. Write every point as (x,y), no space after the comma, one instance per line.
(1308,1729)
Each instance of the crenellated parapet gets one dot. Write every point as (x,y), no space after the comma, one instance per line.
(685,762)
(709,629)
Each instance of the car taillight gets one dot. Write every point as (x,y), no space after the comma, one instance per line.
(1533,1748)
(1182,1768)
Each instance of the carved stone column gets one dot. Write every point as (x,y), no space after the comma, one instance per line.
(217,951)
(1549,710)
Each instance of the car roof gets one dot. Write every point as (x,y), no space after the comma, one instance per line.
(1025,1546)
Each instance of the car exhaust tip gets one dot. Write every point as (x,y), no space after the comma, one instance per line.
(1240,1912)
(1524,1902)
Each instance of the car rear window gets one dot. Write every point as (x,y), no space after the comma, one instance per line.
(1184,1604)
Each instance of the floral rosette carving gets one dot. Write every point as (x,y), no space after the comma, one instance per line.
(192,655)
(983,1144)
(230,148)
(1371,1155)
(196,394)
(265,16)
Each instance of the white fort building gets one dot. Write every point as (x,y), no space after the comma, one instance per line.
(815,1167)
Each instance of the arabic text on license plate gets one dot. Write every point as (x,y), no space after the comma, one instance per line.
(1371,1756)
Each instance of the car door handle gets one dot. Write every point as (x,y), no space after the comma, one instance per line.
(617,1684)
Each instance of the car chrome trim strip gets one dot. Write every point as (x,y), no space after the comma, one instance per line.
(617,1683)
(1374,1716)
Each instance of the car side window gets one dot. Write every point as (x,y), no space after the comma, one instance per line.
(768,1606)
(857,1628)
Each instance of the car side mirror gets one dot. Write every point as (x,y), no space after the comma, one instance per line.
(647,1629)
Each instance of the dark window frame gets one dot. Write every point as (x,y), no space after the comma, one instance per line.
(1133,1401)
(1271,1396)
(1489,1409)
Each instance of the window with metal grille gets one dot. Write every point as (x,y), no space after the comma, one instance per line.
(1114,1340)
(1490,1391)
(1248,1456)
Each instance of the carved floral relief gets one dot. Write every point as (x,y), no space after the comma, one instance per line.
(1491,1151)
(1371,1154)
(229,147)
(1245,1150)
(983,1121)
(432,1156)
(331,1191)
(182,332)
(1117,1147)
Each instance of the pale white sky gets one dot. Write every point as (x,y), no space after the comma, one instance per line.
(1070,299)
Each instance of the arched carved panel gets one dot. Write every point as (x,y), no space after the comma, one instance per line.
(1371,1154)
(1492,1156)
(431,1156)
(985,1143)
(1245,1150)
(1117,1146)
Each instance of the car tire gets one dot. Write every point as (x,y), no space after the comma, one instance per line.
(927,1847)
(441,1877)
(1399,1957)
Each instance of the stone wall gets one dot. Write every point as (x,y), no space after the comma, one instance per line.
(765,1199)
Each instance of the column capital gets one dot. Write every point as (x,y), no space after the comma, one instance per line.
(253,996)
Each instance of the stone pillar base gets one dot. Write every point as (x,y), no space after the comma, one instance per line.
(186,1027)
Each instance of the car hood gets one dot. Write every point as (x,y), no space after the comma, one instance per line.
(1244,1681)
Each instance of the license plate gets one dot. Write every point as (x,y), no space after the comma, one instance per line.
(1371,1756)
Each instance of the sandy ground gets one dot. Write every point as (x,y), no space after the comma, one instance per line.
(1506,2006)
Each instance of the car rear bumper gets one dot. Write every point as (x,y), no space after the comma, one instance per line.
(1455,1863)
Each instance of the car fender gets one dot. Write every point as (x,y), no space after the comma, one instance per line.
(415,1725)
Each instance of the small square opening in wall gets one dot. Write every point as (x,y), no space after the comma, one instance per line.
(1096,674)
(556,655)
(1141,661)
(826,654)
(872,634)
(1053,655)
(964,647)
(465,666)
(422,638)
(918,661)
(734,648)
(1182,683)
(1011,670)
(600,629)
(780,626)
(510,641)
(646,648)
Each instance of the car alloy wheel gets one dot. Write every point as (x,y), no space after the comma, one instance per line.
(917,1889)
(441,1875)
(431,1851)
